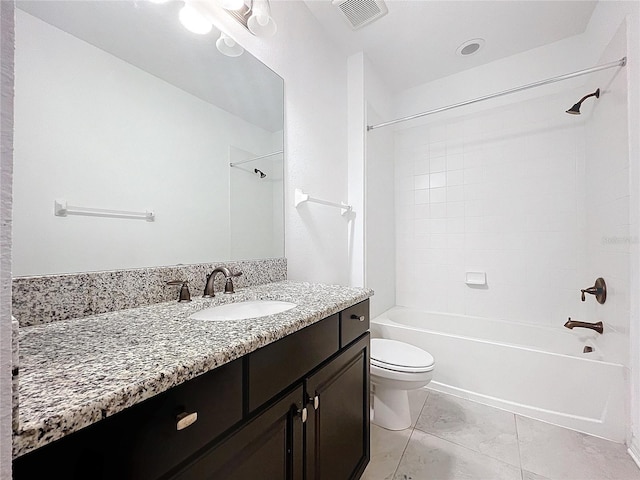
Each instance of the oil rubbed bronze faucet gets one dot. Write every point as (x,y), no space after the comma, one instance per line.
(228,286)
(598,326)
(599,290)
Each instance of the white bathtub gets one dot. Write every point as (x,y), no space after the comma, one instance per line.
(539,372)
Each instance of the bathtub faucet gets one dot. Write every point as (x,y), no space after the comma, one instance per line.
(571,324)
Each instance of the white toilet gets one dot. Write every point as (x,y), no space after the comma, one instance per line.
(396,367)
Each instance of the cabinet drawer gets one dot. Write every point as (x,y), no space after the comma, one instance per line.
(278,365)
(157,444)
(143,442)
(354,321)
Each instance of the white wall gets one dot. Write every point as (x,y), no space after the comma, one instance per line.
(356,106)
(83,117)
(380,195)
(315,77)
(6,158)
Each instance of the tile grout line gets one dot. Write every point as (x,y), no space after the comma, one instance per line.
(448,440)
(515,422)
(395,472)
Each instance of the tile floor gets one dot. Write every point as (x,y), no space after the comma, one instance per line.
(452,438)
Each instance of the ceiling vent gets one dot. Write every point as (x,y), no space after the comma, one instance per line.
(361,12)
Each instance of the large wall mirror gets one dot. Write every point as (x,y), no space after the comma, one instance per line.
(118,107)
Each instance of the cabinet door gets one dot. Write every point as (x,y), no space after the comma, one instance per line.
(337,432)
(269,447)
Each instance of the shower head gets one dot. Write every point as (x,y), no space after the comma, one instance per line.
(575,110)
(259,172)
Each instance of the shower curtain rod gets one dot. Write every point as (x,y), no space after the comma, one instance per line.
(234,164)
(620,63)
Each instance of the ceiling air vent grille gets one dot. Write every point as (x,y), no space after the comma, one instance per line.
(361,12)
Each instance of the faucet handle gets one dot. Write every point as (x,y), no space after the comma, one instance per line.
(185,295)
(599,290)
(228,286)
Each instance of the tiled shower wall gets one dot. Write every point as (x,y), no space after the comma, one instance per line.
(499,191)
(607,201)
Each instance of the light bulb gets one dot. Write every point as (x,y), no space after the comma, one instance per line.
(194,21)
(260,22)
(228,46)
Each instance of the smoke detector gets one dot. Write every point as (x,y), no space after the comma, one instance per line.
(361,12)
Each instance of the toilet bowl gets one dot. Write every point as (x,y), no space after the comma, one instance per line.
(396,368)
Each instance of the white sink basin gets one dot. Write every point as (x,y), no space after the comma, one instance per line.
(243,310)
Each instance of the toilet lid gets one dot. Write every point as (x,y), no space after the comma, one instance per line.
(399,356)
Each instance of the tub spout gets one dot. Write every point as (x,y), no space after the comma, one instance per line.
(571,324)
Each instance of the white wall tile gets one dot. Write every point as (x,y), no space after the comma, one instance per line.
(437,180)
(455,161)
(421,196)
(455,177)
(421,181)
(438,164)
(438,195)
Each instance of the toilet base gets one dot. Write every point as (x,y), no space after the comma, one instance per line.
(391,408)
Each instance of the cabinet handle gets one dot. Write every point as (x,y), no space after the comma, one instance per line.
(362,318)
(303,414)
(315,401)
(185,420)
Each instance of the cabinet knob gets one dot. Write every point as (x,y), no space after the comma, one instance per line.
(185,419)
(303,414)
(316,401)
(362,318)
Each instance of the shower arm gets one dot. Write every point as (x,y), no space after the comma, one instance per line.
(620,63)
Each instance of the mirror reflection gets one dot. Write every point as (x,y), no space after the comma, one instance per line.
(118,107)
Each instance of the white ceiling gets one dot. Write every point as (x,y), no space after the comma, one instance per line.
(416,41)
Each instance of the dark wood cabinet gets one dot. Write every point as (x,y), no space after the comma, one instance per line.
(269,447)
(143,441)
(274,367)
(296,409)
(337,429)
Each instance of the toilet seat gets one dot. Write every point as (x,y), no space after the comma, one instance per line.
(400,357)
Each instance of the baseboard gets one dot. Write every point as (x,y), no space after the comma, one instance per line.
(634,450)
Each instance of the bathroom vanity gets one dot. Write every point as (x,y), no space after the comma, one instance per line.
(287,398)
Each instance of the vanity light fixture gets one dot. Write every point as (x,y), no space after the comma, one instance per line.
(228,46)
(260,23)
(193,21)
(231,4)
(255,15)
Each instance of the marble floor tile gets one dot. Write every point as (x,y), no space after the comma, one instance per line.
(417,399)
(387,448)
(431,458)
(532,476)
(484,429)
(561,454)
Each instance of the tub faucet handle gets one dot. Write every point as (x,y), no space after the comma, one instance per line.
(599,290)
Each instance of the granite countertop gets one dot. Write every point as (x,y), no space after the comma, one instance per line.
(76,372)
